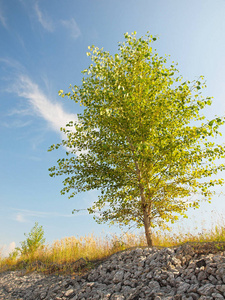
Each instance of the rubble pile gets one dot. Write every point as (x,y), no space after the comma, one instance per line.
(141,273)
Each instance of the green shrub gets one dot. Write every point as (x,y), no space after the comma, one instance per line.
(35,240)
(14,254)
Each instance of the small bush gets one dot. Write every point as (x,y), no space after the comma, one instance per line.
(35,240)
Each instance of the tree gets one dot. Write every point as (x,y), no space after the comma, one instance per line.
(35,239)
(141,140)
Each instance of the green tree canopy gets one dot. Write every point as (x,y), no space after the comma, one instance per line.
(141,140)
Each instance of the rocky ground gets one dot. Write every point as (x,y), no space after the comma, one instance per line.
(186,272)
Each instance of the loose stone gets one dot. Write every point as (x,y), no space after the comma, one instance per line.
(150,273)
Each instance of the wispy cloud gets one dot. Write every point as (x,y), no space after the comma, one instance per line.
(40,105)
(23,215)
(37,104)
(13,69)
(72,26)
(2,17)
(19,111)
(45,21)
(16,124)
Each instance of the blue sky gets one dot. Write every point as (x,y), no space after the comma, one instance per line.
(42,50)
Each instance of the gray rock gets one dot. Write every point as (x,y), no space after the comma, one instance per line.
(183,287)
(194,296)
(118,277)
(171,274)
(217,296)
(221,288)
(206,290)
(154,286)
(202,275)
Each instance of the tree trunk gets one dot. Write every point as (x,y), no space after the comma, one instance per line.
(148,229)
(147,219)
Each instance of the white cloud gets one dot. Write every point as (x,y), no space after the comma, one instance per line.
(38,103)
(47,23)
(72,26)
(19,111)
(22,215)
(5,250)
(13,64)
(11,247)
(41,105)
(2,17)
(44,19)
(20,218)
(16,124)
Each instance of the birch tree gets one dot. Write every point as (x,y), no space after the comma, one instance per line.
(141,140)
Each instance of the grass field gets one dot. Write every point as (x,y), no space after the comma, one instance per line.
(61,255)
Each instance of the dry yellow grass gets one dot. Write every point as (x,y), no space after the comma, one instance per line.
(92,248)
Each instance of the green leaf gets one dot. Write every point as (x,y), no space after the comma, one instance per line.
(211,123)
